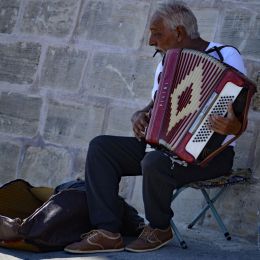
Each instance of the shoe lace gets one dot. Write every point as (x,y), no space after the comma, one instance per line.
(141,225)
(89,234)
(147,233)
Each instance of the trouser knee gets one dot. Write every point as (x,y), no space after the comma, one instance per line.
(96,142)
(151,164)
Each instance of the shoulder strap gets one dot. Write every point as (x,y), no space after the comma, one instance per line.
(163,59)
(218,50)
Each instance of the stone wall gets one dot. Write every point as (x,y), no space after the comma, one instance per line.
(74,69)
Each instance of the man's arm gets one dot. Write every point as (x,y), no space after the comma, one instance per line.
(140,120)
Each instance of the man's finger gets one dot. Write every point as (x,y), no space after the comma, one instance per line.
(225,125)
(218,124)
(138,132)
(217,120)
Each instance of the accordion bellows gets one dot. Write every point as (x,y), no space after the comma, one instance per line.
(194,86)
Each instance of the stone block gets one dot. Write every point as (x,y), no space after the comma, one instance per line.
(115,22)
(238,208)
(50,17)
(253,68)
(201,4)
(19,114)
(207,22)
(9,156)
(244,148)
(79,164)
(8,16)
(47,166)
(256,157)
(119,120)
(256,98)
(73,125)
(253,72)
(236,24)
(244,2)
(240,28)
(120,76)
(130,188)
(187,205)
(19,62)
(253,42)
(63,68)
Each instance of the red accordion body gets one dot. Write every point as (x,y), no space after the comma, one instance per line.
(193,86)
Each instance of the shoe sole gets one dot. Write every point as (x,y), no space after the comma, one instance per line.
(93,251)
(147,250)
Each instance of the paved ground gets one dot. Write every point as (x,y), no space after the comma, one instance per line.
(202,244)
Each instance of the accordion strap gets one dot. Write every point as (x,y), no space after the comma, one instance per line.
(242,129)
(218,50)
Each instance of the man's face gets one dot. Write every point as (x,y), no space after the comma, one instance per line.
(161,36)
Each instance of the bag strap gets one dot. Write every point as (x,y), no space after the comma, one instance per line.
(218,50)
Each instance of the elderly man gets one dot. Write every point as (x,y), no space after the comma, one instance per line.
(173,25)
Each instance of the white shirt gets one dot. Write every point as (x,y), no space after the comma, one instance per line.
(231,57)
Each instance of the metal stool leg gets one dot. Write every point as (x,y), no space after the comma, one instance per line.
(203,211)
(216,215)
(178,235)
(175,229)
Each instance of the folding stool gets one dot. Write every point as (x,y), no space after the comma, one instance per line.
(237,176)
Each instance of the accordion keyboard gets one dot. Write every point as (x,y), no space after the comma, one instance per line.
(200,130)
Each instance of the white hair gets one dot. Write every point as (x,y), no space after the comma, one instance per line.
(176,13)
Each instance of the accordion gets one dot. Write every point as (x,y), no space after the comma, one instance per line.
(192,87)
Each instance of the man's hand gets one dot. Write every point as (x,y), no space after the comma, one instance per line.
(140,121)
(226,125)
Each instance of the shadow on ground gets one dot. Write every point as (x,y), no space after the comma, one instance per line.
(202,244)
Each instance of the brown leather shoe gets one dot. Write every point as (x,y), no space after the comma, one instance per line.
(150,239)
(97,241)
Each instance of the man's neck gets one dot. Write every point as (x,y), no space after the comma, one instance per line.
(197,44)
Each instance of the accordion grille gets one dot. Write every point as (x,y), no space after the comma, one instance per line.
(204,132)
(195,78)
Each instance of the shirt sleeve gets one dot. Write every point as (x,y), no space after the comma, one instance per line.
(234,59)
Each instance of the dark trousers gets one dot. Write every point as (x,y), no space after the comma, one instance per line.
(111,157)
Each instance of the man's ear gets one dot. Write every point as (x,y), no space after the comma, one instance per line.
(180,33)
